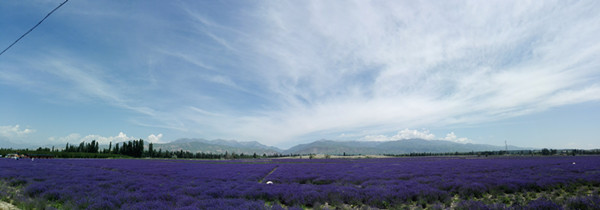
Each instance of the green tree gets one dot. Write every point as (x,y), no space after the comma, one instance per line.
(150,150)
(545,151)
(117,149)
(81,147)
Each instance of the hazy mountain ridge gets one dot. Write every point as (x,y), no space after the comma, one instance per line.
(217,146)
(231,143)
(334,147)
(5,143)
(220,146)
(330,147)
(436,146)
(391,147)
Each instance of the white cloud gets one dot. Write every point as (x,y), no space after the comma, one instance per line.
(415,134)
(11,131)
(452,137)
(402,135)
(155,138)
(76,138)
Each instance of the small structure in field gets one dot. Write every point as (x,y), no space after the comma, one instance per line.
(13,156)
(269,182)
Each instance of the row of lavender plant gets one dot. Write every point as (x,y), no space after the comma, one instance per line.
(131,184)
(390,182)
(382,183)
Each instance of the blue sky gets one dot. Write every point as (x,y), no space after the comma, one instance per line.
(290,72)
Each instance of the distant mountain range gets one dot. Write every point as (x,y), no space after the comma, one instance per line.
(391,147)
(329,147)
(5,143)
(220,146)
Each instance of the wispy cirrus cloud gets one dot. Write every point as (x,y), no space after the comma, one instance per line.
(396,64)
(286,72)
(325,68)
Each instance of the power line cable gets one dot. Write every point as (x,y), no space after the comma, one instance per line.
(36,25)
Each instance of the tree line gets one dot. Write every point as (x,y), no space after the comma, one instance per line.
(91,147)
(136,149)
(132,148)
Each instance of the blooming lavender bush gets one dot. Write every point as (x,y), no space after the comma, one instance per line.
(494,183)
(543,203)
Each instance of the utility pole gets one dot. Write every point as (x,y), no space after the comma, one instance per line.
(506,146)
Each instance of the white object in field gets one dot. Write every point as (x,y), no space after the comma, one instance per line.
(573,163)
(31,159)
(269,182)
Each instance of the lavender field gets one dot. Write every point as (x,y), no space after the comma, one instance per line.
(437,183)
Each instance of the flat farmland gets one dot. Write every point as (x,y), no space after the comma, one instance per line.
(380,183)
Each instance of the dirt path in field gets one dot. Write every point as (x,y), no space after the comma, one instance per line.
(263,179)
(7,206)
